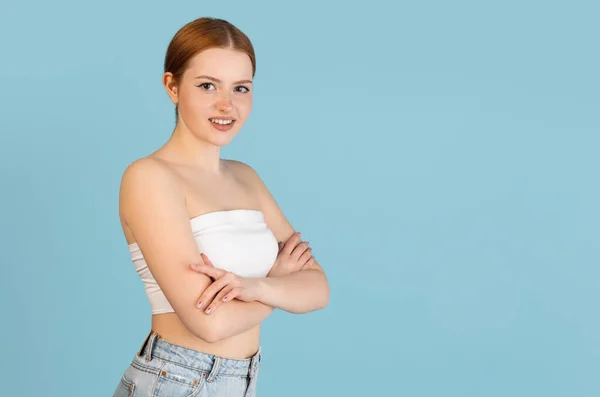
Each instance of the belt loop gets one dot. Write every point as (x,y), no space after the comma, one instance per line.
(140,352)
(214,370)
(150,347)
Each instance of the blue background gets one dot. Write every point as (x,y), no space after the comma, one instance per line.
(441,158)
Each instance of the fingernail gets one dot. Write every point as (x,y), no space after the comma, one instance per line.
(208,310)
(198,305)
(225,299)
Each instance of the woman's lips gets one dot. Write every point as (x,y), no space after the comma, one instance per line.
(222,127)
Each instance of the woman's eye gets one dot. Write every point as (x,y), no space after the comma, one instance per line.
(205,85)
(210,86)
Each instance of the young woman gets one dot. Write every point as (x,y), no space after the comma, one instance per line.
(203,231)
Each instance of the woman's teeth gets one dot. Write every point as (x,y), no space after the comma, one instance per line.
(222,122)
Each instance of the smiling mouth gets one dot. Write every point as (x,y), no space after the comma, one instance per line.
(222,124)
(221,121)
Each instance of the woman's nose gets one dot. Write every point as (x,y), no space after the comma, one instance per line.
(224,102)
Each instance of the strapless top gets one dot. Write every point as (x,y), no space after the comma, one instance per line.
(238,241)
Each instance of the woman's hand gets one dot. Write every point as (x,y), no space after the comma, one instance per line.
(225,287)
(293,256)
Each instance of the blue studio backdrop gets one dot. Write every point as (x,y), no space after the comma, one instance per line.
(441,158)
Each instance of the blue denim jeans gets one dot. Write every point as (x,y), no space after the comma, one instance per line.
(163,369)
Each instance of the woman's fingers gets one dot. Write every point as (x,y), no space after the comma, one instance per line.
(291,243)
(214,305)
(227,294)
(299,250)
(309,263)
(206,260)
(306,255)
(207,268)
(210,271)
(225,286)
(232,294)
(213,289)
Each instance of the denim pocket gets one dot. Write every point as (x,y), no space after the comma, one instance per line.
(136,381)
(125,388)
(178,381)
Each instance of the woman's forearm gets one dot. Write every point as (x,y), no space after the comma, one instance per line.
(233,318)
(299,292)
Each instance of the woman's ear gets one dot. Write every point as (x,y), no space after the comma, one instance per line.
(171,86)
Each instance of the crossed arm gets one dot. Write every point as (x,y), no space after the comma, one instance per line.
(153,206)
(295,283)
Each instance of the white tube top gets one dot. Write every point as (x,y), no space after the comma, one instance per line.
(238,241)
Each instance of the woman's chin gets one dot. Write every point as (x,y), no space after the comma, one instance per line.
(222,140)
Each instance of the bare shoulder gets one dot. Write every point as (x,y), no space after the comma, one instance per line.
(145,176)
(242,170)
(146,166)
(274,216)
(248,176)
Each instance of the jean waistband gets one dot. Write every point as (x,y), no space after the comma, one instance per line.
(155,346)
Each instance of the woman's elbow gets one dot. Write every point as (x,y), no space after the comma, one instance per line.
(324,301)
(209,335)
(319,303)
(206,330)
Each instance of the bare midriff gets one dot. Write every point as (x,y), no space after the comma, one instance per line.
(172,330)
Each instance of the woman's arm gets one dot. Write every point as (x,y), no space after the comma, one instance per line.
(152,204)
(303,290)
(298,292)
(235,318)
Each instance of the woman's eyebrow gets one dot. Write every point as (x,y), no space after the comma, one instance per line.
(218,81)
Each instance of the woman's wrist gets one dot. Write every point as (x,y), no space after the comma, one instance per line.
(262,286)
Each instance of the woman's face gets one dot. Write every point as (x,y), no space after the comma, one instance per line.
(215,94)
